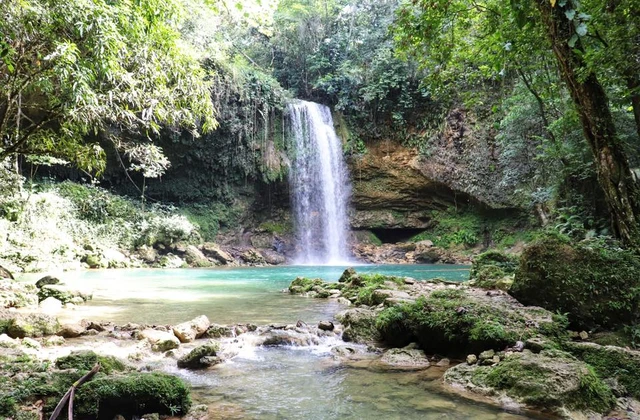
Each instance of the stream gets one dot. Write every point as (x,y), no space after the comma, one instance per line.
(283,382)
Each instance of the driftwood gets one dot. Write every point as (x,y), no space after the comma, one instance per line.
(71,392)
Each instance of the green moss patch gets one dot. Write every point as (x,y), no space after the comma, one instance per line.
(85,360)
(596,284)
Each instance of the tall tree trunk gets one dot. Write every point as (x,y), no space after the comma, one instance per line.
(634,85)
(621,192)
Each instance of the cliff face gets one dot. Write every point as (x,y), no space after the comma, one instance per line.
(395,187)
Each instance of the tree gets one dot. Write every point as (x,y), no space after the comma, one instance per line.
(468,39)
(72,71)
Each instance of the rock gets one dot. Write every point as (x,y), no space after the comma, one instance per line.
(160,341)
(303,285)
(214,251)
(583,335)
(347,275)
(537,344)
(171,261)
(62,293)
(443,362)
(252,256)
(278,337)
(201,357)
(493,270)
(344,301)
(272,257)
(8,342)
(5,274)
(147,254)
(613,363)
(360,325)
(218,331)
(31,343)
(54,340)
(51,304)
(47,280)
(488,354)
(550,380)
(71,330)
(32,325)
(190,330)
(112,258)
(472,359)
(405,359)
(326,325)
(396,296)
(597,286)
(195,258)
(17,295)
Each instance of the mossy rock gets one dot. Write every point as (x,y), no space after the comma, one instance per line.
(31,325)
(458,321)
(360,325)
(201,357)
(610,362)
(360,289)
(596,286)
(303,285)
(493,270)
(133,394)
(551,380)
(85,360)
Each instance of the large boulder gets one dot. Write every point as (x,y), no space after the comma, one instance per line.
(47,280)
(598,286)
(195,258)
(407,358)
(360,325)
(29,325)
(457,320)
(214,251)
(493,270)
(190,330)
(62,293)
(551,380)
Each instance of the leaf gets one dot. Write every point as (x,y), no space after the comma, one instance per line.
(570,14)
(582,29)
(573,40)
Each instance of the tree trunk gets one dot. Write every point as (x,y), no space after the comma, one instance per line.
(634,85)
(622,194)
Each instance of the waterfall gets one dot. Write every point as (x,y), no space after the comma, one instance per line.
(320,186)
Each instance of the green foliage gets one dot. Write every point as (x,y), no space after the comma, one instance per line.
(595,282)
(91,67)
(493,270)
(97,205)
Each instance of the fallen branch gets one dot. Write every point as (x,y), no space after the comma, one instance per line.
(71,392)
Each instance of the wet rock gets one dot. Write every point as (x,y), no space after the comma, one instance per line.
(278,337)
(190,330)
(360,325)
(408,358)
(47,280)
(219,331)
(472,359)
(31,325)
(201,357)
(347,275)
(344,301)
(71,330)
(326,325)
(160,341)
(443,362)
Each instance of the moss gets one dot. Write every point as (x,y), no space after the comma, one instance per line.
(450,322)
(493,270)
(133,394)
(303,285)
(360,288)
(199,357)
(611,362)
(595,283)
(275,227)
(549,380)
(85,360)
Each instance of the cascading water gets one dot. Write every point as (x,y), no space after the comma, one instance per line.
(320,186)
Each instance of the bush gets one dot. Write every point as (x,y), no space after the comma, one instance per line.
(595,283)
(493,270)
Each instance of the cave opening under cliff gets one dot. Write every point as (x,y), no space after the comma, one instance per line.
(391,236)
